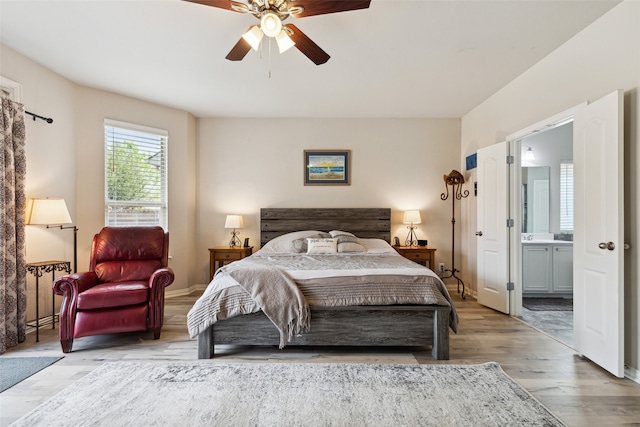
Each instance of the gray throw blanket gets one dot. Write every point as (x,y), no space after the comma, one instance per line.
(277,295)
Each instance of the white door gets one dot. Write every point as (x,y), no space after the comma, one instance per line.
(493,233)
(598,233)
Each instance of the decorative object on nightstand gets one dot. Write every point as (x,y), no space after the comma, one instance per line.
(423,255)
(234,221)
(411,218)
(52,213)
(455,180)
(224,254)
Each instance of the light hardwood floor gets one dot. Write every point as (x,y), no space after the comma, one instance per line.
(574,389)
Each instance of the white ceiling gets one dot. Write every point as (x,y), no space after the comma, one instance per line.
(399,58)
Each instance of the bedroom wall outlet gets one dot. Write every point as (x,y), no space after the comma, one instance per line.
(441,266)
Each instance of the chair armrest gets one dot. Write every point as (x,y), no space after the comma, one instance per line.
(70,286)
(161,278)
(75,283)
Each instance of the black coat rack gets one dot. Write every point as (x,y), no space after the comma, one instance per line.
(455,180)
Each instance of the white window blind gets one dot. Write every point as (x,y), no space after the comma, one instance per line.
(135,175)
(566,195)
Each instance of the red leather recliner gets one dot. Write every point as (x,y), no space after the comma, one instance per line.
(123,291)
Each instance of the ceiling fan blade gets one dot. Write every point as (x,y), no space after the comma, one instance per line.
(306,46)
(223,4)
(322,7)
(239,51)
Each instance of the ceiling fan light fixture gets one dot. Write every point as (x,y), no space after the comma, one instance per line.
(284,41)
(253,37)
(271,24)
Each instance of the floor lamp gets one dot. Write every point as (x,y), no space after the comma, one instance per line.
(52,213)
(455,180)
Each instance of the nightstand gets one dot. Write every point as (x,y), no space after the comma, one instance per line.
(226,254)
(421,254)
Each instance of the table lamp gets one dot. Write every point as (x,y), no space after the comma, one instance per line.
(411,218)
(234,221)
(52,213)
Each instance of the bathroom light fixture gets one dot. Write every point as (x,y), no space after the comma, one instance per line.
(528,155)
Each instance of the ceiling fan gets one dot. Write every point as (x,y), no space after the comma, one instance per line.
(271,13)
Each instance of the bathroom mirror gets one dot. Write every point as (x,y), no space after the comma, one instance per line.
(535,199)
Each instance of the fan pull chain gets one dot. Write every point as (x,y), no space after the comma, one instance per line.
(269,57)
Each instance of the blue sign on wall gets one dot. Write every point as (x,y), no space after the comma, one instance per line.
(472,161)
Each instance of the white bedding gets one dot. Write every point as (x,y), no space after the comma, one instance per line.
(377,276)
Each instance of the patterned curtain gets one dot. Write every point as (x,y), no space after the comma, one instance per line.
(13,285)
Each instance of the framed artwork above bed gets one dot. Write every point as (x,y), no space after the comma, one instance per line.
(327,167)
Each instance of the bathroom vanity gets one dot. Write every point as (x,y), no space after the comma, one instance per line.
(547,268)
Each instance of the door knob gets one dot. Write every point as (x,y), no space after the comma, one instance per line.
(609,245)
(478,233)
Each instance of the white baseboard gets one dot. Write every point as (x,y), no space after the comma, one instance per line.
(184,292)
(632,373)
(468,292)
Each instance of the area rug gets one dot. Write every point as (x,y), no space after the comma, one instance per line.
(548,304)
(207,393)
(15,369)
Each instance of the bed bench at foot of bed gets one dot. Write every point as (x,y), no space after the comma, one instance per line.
(341,326)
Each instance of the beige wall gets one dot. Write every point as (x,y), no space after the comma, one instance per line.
(248,164)
(66,159)
(93,106)
(602,58)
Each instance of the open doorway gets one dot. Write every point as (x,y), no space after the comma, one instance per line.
(598,227)
(546,229)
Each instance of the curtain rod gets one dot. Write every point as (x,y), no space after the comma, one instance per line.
(35,116)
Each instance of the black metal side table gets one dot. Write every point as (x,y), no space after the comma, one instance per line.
(37,269)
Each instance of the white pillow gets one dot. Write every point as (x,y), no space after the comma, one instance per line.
(349,243)
(322,246)
(377,246)
(290,242)
(335,233)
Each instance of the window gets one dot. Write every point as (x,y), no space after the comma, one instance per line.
(135,175)
(566,195)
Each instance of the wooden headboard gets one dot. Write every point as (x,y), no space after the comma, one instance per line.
(363,222)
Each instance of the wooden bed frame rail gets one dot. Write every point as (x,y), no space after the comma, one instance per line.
(341,326)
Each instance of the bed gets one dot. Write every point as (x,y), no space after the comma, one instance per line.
(237,309)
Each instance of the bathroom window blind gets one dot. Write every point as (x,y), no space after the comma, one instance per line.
(566,195)
(135,175)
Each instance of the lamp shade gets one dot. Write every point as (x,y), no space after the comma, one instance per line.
(47,212)
(233,221)
(270,24)
(253,37)
(411,217)
(284,41)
